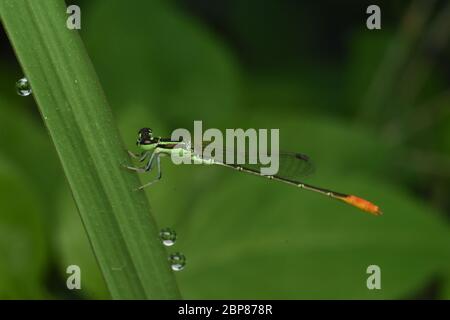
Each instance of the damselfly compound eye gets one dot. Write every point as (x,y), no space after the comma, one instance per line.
(168,237)
(145,131)
(177,261)
(145,136)
(23,87)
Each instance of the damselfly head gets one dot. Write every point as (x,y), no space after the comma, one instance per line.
(144,136)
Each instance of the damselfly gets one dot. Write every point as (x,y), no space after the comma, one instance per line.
(292,166)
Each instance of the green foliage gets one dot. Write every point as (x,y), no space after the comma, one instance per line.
(312,238)
(77,116)
(243,237)
(174,67)
(21,231)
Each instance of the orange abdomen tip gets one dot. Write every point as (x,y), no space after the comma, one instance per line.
(362,204)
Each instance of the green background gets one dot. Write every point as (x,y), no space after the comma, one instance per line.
(371,108)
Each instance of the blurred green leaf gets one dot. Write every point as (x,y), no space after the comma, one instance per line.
(24,140)
(445,293)
(298,90)
(287,245)
(22,236)
(245,237)
(334,145)
(365,54)
(171,63)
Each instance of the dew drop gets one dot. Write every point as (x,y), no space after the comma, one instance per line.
(168,237)
(23,87)
(177,261)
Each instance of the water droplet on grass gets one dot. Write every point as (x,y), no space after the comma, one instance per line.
(23,87)
(168,237)
(177,261)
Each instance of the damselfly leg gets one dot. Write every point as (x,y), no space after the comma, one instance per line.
(148,167)
(154,157)
(140,156)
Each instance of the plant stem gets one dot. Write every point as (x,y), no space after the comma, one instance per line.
(117,219)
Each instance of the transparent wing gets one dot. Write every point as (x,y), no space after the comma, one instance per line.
(292,165)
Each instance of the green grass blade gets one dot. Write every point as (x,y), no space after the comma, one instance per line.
(117,219)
